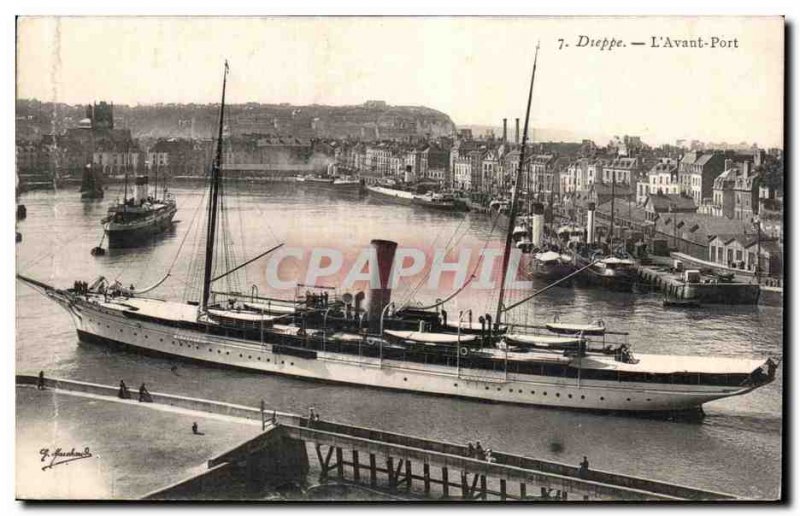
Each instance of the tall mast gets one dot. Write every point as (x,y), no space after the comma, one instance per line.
(213,199)
(613,196)
(512,213)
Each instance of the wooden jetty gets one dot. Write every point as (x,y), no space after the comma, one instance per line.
(390,462)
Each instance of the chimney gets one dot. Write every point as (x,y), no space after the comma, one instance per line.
(745,168)
(728,164)
(516,137)
(381,296)
(537,223)
(505,130)
(590,236)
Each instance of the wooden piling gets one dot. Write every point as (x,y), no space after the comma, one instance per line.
(522,490)
(445,483)
(373,470)
(356,467)
(408,475)
(464,486)
(503,489)
(390,471)
(426,474)
(339,462)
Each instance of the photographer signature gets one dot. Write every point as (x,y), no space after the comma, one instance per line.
(53,458)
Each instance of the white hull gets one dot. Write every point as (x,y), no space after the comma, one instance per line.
(110,327)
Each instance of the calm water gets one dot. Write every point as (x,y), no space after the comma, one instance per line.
(736,448)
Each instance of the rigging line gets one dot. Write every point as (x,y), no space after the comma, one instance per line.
(471,277)
(548,287)
(413,290)
(248,262)
(188,230)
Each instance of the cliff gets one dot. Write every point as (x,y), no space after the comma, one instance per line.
(369,121)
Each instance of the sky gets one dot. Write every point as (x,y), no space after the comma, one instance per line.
(476,70)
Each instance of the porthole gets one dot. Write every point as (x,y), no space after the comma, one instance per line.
(648,399)
(498,388)
(250,357)
(283,362)
(291,363)
(545,393)
(520,391)
(558,395)
(240,355)
(569,396)
(583,397)
(510,390)
(219,352)
(259,358)
(268,360)
(628,399)
(487,387)
(455,385)
(210,350)
(533,392)
(405,379)
(227,352)
(602,398)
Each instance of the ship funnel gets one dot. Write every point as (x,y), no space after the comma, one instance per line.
(380,297)
(140,190)
(537,223)
(590,236)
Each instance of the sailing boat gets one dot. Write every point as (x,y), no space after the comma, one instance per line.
(335,339)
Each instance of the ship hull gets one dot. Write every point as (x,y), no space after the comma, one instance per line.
(138,233)
(108,327)
(551,272)
(399,196)
(621,282)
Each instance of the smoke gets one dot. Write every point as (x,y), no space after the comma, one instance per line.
(319,160)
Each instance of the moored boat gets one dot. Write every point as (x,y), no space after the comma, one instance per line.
(552,266)
(436,201)
(132,221)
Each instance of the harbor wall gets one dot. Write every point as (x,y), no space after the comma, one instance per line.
(712,293)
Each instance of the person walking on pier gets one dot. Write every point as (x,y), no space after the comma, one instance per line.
(196,429)
(584,471)
(40,381)
(470,450)
(124,393)
(144,395)
(479,454)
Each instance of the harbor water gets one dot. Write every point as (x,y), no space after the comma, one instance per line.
(735,448)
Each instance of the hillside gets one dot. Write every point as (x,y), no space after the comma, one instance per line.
(368,121)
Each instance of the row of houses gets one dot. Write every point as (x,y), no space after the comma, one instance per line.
(674,221)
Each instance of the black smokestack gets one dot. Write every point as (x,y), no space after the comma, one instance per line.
(505,130)
(516,136)
(381,296)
